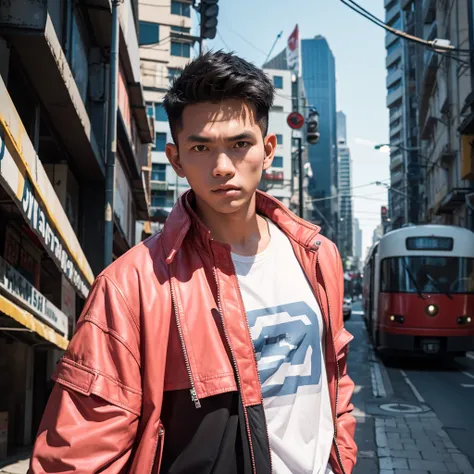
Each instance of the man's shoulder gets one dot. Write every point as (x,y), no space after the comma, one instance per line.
(140,262)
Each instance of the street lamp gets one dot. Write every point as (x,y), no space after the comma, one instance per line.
(379,183)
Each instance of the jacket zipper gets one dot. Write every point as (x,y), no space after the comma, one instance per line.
(236,369)
(193,392)
(338,373)
(256,366)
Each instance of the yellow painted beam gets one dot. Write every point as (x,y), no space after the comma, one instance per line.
(27,320)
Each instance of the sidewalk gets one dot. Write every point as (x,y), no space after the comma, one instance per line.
(409,437)
(19,467)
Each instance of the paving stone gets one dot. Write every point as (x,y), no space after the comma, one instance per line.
(383,452)
(399,463)
(385,463)
(405,454)
(427,465)
(452,467)
(433,455)
(410,471)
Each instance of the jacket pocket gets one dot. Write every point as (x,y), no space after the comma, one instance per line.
(341,342)
(160,442)
(87,381)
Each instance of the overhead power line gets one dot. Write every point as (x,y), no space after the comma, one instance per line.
(435,44)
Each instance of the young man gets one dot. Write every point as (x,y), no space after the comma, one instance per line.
(216,346)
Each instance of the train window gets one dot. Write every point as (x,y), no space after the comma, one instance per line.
(430,243)
(427,275)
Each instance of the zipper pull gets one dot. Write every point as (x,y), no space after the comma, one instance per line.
(195,398)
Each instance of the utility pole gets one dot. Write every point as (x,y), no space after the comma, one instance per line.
(300,177)
(111,136)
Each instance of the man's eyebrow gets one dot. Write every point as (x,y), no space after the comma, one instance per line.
(247,135)
(241,136)
(199,139)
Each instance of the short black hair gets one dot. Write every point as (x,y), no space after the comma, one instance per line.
(218,76)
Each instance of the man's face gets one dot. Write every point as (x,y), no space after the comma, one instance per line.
(222,153)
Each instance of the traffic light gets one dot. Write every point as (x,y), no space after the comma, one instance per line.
(312,127)
(209,10)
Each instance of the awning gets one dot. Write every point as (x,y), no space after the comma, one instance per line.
(28,321)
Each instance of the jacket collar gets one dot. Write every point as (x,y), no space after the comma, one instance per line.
(182,218)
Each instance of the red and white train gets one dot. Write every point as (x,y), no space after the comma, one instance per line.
(418,291)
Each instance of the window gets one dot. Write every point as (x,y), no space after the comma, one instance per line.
(277,162)
(180,49)
(160,113)
(279,139)
(180,29)
(158,172)
(149,33)
(149,110)
(278,82)
(181,8)
(173,73)
(428,275)
(160,141)
(161,199)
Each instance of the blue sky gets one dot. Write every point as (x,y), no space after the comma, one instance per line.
(249,28)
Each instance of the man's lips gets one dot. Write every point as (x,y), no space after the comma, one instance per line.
(226,188)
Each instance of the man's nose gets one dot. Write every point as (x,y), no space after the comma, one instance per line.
(224,166)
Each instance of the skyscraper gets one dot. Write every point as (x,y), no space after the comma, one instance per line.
(345,238)
(319,77)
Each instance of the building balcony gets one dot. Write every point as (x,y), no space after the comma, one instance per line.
(429,79)
(452,200)
(396,162)
(386,3)
(394,77)
(391,12)
(29,28)
(393,56)
(395,96)
(389,39)
(395,114)
(396,178)
(429,11)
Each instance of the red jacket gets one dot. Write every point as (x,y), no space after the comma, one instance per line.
(147,329)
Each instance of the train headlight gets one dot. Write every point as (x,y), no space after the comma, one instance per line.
(431,310)
(464,319)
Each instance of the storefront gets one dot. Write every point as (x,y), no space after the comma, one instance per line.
(44,280)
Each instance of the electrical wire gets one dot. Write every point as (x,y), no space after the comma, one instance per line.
(247,41)
(415,39)
(222,39)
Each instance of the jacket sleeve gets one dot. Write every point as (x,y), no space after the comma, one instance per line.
(91,418)
(346,422)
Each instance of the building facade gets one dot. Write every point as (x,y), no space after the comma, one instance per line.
(166,46)
(54,96)
(397,103)
(277,180)
(345,211)
(430,103)
(319,77)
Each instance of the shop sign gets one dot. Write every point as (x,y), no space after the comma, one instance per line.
(20,188)
(15,286)
(40,223)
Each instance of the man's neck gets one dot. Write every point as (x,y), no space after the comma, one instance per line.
(244,230)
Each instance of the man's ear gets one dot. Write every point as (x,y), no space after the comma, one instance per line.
(270,143)
(172,154)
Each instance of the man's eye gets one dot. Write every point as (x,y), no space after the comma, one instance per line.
(242,145)
(200,148)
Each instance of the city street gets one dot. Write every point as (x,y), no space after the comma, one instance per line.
(413,416)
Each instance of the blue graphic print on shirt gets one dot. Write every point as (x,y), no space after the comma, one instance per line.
(287,342)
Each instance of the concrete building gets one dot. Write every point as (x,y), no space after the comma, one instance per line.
(430,103)
(277,181)
(398,103)
(445,114)
(53,123)
(358,244)
(319,77)
(345,227)
(166,46)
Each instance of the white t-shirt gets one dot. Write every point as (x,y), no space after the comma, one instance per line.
(288,335)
